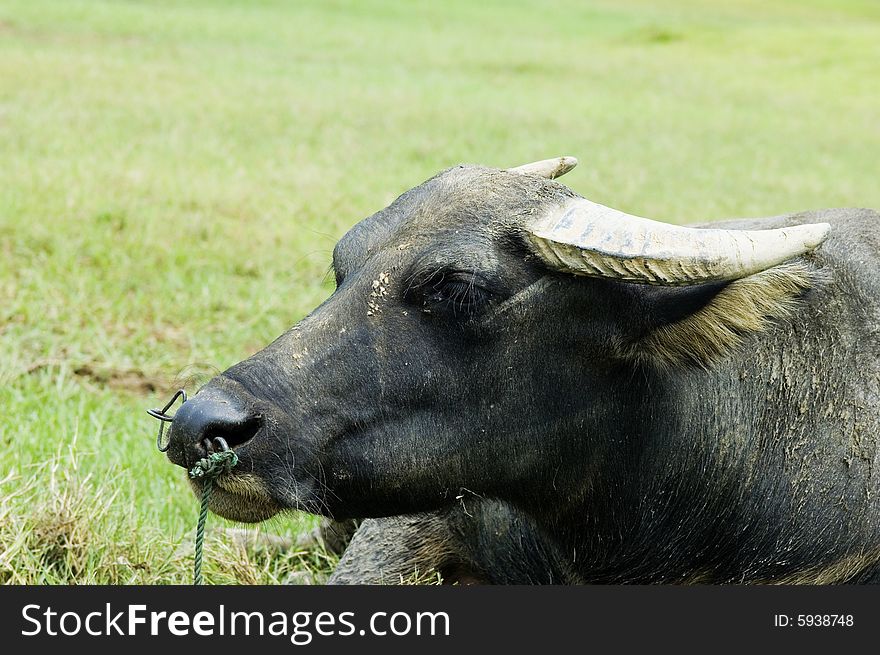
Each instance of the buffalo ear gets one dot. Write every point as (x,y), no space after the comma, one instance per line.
(699,325)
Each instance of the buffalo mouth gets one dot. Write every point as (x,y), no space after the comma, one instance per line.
(240,497)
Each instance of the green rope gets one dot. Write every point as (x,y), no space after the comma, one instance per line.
(208,468)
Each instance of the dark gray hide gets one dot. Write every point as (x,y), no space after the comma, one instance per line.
(528,425)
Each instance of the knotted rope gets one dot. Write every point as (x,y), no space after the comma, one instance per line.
(208,469)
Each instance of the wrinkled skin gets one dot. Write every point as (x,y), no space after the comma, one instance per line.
(451,364)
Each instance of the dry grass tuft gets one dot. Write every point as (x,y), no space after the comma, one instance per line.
(61,526)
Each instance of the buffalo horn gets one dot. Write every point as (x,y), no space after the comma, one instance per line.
(549,168)
(585,238)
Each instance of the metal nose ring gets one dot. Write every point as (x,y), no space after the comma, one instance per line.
(163,417)
(215,445)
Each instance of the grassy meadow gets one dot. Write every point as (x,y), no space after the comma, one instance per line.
(173,177)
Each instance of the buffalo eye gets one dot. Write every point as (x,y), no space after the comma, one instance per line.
(460,294)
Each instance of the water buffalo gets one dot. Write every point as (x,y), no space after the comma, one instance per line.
(531,387)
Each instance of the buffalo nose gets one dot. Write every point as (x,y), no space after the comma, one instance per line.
(210,414)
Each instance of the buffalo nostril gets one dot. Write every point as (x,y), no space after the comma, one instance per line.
(235,434)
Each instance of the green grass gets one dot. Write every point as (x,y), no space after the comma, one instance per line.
(173,177)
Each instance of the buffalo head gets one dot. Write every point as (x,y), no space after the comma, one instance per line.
(485,336)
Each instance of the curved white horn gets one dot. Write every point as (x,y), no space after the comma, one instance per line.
(585,238)
(549,168)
